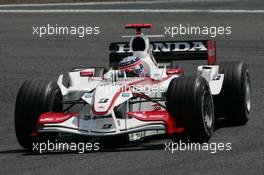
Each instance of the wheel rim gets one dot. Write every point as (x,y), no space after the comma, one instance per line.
(207,110)
(247,93)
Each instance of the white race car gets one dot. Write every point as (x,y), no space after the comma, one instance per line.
(137,97)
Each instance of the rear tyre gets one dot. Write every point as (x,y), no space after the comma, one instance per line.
(34,98)
(234,100)
(190,103)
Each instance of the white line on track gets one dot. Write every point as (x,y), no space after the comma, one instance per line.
(128,11)
(106,3)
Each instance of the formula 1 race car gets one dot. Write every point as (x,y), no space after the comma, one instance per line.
(143,94)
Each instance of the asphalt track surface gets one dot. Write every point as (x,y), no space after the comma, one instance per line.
(25,57)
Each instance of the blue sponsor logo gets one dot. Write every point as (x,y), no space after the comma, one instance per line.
(126,94)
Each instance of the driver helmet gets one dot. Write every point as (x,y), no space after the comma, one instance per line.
(133,65)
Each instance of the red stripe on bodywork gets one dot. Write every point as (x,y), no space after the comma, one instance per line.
(54,117)
(177,71)
(86,73)
(158,116)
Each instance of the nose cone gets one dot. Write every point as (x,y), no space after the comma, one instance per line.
(104,98)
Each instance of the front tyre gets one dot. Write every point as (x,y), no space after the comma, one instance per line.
(34,98)
(190,103)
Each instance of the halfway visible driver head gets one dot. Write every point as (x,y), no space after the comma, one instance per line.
(133,66)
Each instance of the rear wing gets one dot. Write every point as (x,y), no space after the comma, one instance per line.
(169,51)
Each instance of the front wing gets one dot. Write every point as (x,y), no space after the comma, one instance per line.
(137,125)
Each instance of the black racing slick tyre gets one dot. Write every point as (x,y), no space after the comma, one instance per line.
(34,98)
(234,100)
(190,103)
